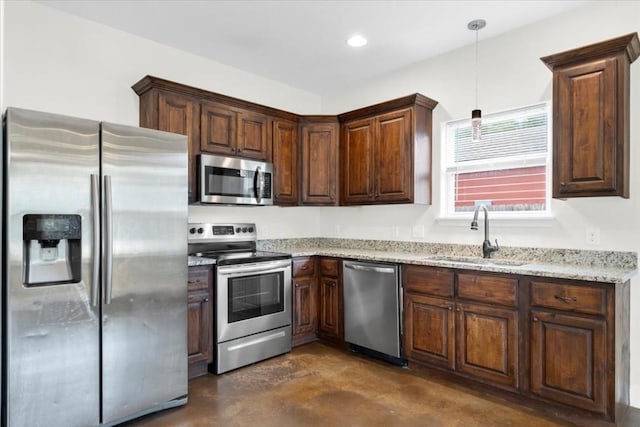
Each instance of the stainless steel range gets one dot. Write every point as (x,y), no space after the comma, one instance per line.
(252,293)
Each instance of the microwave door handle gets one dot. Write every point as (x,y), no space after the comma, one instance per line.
(258,184)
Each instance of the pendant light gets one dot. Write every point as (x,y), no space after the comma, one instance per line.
(476,115)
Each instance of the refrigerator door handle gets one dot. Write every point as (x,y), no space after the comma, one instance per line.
(95,206)
(108,241)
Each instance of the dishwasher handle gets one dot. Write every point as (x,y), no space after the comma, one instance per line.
(385,270)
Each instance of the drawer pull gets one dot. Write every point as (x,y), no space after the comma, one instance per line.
(566,300)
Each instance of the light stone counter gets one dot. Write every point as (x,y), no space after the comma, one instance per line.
(592,266)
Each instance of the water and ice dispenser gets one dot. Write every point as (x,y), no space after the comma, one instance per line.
(51,249)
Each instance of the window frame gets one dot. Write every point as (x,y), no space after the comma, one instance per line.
(448,169)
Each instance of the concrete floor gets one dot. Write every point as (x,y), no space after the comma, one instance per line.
(318,385)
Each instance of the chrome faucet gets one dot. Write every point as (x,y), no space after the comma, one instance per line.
(487,247)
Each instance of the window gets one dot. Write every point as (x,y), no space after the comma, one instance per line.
(508,171)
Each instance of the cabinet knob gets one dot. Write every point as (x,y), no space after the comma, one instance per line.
(206,300)
(535,319)
(450,308)
(562,184)
(458,309)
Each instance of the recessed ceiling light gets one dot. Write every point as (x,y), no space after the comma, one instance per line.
(356,41)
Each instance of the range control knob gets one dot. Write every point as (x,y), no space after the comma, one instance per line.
(250,229)
(237,229)
(244,229)
(192,230)
(200,230)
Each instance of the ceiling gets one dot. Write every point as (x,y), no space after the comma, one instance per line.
(302,43)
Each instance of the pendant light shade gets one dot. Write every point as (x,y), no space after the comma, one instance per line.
(476,114)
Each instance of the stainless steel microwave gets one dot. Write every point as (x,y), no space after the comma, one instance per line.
(234,181)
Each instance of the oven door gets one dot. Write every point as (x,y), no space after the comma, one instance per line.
(252,298)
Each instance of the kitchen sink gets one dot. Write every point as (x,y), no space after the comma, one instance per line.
(480,261)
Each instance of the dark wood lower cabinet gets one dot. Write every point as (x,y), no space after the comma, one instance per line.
(200,320)
(557,345)
(487,343)
(330,313)
(305,309)
(568,359)
(429,330)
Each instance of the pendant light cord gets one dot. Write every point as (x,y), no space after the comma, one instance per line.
(476,68)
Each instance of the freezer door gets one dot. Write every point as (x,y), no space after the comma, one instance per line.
(144,307)
(52,330)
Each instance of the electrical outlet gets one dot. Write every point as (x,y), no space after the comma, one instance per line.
(418,231)
(593,236)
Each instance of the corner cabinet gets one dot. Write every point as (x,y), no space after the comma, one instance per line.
(386,152)
(200,323)
(591,118)
(319,160)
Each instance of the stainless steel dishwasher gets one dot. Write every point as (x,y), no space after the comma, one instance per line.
(372,309)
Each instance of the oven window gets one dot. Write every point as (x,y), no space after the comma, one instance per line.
(255,296)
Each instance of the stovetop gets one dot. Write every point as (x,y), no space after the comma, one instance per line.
(229,258)
(229,243)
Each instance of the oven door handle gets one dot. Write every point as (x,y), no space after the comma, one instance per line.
(262,267)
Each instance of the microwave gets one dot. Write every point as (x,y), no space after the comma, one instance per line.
(234,181)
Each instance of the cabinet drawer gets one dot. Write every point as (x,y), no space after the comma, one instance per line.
(428,280)
(489,289)
(329,267)
(579,298)
(304,266)
(198,278)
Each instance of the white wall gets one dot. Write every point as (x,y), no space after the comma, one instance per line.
(60,63)
(511,75)
(56,62)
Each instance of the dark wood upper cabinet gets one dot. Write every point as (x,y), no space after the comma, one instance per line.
(375,155)
(386,152)
(591,118)
(254,136)
(319,160)
(285,162)
(357,161)
(218,129)
(214,123)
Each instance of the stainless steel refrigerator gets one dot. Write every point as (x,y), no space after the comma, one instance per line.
(94,271)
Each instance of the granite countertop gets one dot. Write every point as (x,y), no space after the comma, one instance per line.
(592,266)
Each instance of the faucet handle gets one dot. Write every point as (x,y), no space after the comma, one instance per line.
(497,247)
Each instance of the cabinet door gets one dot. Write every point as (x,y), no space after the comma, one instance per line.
(568,359)
(393,157)
(305,320)
(357,162)
(285,162)
(487,343)
(218,129)
(585,131)
(180,114)
(319,167)
(330,313)
(429,330)
(254,136)
(200,327)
